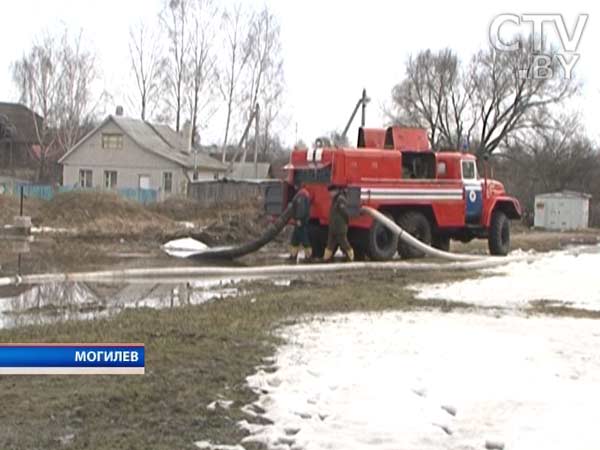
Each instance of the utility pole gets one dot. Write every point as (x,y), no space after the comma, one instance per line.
(256,132)
(362,101)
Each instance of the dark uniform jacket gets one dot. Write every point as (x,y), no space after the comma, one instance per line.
(302,206)
(338,214)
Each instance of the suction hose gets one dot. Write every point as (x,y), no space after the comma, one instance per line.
(231,252)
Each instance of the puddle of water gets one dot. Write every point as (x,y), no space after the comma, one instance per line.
(59,302)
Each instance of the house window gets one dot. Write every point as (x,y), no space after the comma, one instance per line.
(167,182)
(112,141)
(110,179)
(85,178)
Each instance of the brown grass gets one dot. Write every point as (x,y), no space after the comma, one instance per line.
(194,355)
(9,207)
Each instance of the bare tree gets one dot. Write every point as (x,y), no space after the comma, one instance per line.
(77,105)
(507,94)
(435,95)
(146,61)
(202,64)
(55,80)
(237,51)
(265,83)
(175,21)
(553,156)
(484,104)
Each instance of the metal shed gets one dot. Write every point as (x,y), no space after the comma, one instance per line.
(566,210)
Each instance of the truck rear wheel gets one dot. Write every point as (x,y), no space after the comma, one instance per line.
(381,243)
(499,234)
(416,224)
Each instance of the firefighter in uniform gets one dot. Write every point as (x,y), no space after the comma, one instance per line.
(300,236)
(338,226)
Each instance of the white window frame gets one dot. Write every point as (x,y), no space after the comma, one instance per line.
(83,178)
(164,185)
(144,175)
(108,179)
(112,141)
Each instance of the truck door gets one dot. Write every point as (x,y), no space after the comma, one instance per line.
(473,192)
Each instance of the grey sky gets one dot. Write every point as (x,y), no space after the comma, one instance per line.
(332,49)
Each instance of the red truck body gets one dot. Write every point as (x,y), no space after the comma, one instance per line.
(394,171)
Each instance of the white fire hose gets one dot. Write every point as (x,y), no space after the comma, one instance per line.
(458,262)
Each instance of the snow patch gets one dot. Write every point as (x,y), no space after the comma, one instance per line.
(50,230)
(566,277)
(224,404)
(207,445)
(394,380)
(183,248)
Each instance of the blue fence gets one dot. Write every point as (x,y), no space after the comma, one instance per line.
(47,192)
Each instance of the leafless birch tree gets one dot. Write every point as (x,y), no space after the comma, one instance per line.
(146,60)
(237,53)
(175,20)
(55,80)
(202,64)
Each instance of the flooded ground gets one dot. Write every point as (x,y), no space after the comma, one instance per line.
(50,303)
(58,302)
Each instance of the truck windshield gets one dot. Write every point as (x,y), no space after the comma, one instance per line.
(320,175)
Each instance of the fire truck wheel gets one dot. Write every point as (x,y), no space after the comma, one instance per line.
(499,234)
(318,239)
(416,224)
(441,242)
(382,243)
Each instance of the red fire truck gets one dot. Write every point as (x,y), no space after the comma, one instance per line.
(435,196)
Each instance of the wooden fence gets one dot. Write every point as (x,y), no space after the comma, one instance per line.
(214,193)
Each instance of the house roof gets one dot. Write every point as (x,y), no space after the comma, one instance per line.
(158,139)
(564,194)
(22,118)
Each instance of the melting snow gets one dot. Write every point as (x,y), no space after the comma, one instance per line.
(430,381)
(567,276)
(207,445)
(183,248)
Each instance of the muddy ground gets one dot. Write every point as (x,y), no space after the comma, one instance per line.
(195,354)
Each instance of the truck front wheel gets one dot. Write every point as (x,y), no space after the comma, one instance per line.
(499,234)
(416,224)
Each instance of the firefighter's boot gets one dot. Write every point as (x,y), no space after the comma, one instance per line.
(293,253)
(307,254)
(327,255)
(350,255)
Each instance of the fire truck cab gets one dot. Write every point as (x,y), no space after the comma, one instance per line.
(435,196)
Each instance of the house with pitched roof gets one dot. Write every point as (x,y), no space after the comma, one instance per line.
(126,153)
(19,128)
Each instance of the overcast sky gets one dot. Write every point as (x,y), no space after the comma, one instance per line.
(332,49)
